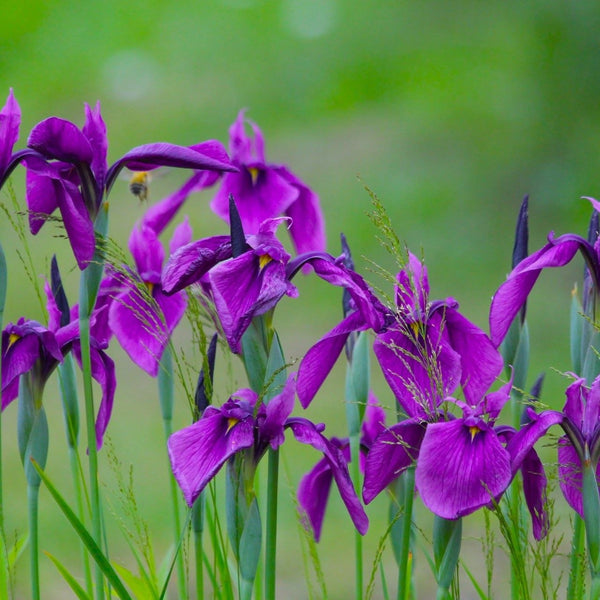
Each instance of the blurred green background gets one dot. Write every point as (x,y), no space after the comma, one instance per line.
(449,112)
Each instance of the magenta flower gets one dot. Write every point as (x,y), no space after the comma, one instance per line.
(558,252)
(140,315)
(242,286)
(74,175)
(582,425)
(424,349)
(462,463)
(199,451)
(28,346)
(263,191)
(314,488)
(430,348)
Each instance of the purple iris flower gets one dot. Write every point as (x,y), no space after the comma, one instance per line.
(243,424)
(263,191)
(558,252)
(74,176)
(140,314)
(430,348)
(314,488)
(242,286)
(462,463)
(28,346)
(582,424)
(424,349)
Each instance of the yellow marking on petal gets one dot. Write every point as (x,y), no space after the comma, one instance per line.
(149,286)
(415,327)
(231,422)
(474,430)
(12,338)
(253,174)
(264,260)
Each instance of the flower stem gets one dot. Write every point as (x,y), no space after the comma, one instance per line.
(68,393)
(576,561)
(404,573)
(198,528)
(86,364)
(32,504)
(271,525)
(165,394)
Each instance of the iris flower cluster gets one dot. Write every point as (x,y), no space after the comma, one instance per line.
(444,373)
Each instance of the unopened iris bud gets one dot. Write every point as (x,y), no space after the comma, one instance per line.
(238,238)
(203,395)
(58,292)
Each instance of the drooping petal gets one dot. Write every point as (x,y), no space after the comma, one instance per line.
(313,493)
(570,475)
(512,294)
(163,154)
(319,360)
(198,452)
(534,490)
(308,433)
(459,470)
(77,222)
(394,450)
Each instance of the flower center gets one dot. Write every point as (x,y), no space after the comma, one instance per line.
(263,261)
(253,174)
(474,430)
(12,338)
(231,422)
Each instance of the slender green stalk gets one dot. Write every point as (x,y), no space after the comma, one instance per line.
(198,528)
(68,392)
(404,559)
(577,560)
(32,505)
(166,398)
(86,364)
(271,525)
(355,475)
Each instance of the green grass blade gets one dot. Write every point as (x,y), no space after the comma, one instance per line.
(93,548)
(477,587)
(73,584)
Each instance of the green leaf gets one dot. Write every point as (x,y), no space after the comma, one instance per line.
(477,587)
(250,543)
(447,537)
(93,548)
(255,354)
(360,373)
(576,331)
(275,371)
(73,584)
(140,586)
